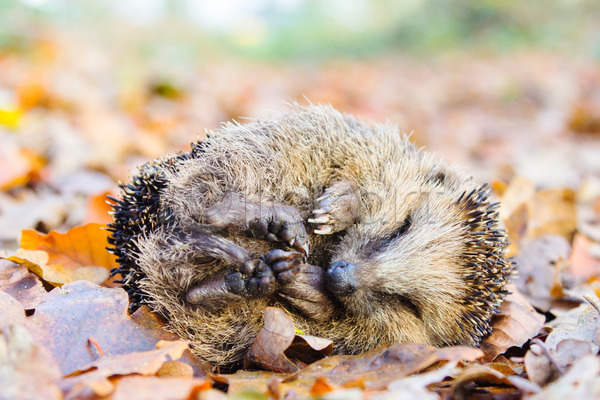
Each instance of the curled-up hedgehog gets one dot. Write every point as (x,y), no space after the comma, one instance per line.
(358,235)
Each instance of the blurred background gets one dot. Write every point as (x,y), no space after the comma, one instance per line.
(91,89)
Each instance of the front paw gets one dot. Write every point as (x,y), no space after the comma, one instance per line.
(336,209)
(281,224)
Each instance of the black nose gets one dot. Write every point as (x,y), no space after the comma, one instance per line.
(340,278)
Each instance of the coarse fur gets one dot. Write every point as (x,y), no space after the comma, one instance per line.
(401,247)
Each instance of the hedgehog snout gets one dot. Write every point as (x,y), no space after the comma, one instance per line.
(340,278)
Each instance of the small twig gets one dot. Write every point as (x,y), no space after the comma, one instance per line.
(95,344)
(547,353)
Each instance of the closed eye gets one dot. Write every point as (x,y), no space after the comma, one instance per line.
(401,231)
(382,243)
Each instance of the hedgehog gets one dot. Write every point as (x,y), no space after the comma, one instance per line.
(353,231)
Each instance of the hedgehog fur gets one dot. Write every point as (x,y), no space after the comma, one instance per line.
(358,235)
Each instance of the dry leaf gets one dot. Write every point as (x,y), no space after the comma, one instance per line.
(583,264)
(79,254)
(98,209)
(582,381)
(17,281)
(377,368)
(69,316)
(144,388)
(36,261)
(516,323)
(81,246)
(27,371)
(268,350)
(145,363)
(539,268)
(415,387)
(320,387)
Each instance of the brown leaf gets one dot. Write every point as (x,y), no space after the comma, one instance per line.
(379,367)
(268,350)
(580,382)
(24,286)
(463,386)
(17,167)
(553,212)
(308,349)
(28,371)
(175,369)
(11,311)
(143,388)
(143,363)
(516,323)
(539,268)
(70,315)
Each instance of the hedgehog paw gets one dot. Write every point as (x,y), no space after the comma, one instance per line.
(285,264)
(336,209)
(254,278)
(282,224)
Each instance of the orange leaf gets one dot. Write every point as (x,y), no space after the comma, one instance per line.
(82,246)
(98,209)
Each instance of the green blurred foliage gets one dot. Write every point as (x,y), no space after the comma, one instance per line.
(323,28)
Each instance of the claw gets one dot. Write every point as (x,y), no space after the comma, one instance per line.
(320,211)
(304,249)
(323,231)
(319,220)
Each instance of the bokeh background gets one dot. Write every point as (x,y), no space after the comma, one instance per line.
(91,89)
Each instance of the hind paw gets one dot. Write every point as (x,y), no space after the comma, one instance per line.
(260,277)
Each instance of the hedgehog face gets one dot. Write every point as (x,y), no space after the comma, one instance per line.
(415,262)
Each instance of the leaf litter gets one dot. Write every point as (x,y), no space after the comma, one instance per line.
(65,332)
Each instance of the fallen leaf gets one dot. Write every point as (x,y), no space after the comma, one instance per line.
(582,381)
(98,209)
(465,384)
(11,311)
(81,246)
(308,349)
(17,167)
(27,370)
(377,368)
(583,264)
(553,212)
(537,265)
(78,311)
(568,341)
(17,281)
(175,369)
(268,350)
(516,323)
(415,387)
(145,363)
(79,254)
(144,388)
(36,261)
